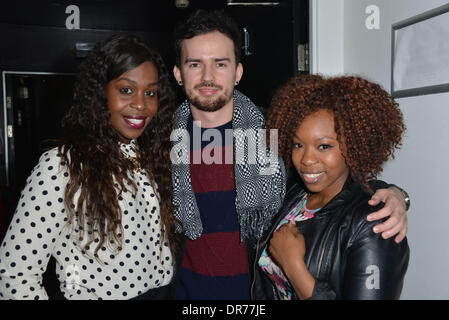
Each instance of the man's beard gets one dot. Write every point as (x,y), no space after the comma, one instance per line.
(209,105)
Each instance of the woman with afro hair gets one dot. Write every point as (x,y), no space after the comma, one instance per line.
(101,202)
(337,133)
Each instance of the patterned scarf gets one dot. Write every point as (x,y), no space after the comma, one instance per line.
(260,184)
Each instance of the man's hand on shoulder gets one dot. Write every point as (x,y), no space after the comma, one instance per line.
(395,209)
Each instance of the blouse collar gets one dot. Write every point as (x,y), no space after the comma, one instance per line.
(129,149)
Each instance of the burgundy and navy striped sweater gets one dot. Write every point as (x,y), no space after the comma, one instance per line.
(215,265)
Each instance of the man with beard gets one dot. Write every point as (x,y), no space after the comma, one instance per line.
(225,205)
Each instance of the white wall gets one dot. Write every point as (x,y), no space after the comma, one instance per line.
(327,34)
(422,165)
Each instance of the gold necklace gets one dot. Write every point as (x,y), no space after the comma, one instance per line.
(137,167)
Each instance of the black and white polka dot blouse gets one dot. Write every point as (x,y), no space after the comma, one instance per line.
(39,229)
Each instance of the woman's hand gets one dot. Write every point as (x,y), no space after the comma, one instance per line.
(287,245)
(287,248)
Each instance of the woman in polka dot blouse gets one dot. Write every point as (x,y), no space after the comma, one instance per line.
(101,201)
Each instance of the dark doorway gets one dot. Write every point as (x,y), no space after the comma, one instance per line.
(271,36)
(34,104)
(35,107)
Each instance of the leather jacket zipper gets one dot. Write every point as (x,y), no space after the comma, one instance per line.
(322,252)
(254,270)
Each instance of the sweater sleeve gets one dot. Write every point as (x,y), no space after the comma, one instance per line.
(34,231)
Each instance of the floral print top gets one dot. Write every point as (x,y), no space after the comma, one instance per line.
(273,271)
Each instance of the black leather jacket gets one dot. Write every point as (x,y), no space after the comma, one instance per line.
(347,259)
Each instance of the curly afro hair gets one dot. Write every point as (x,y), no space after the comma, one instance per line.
(365,116)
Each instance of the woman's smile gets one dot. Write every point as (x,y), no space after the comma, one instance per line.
(312,178)
(136,122)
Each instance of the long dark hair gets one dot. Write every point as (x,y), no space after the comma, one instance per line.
(92,153)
